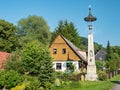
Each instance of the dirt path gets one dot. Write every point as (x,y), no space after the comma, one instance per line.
(117,86)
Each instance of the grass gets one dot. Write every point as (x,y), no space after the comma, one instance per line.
(90,85)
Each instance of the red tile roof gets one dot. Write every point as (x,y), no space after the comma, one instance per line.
(3,58)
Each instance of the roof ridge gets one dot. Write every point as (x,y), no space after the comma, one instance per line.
(74,48)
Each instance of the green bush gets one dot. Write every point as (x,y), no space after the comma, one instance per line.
(102,75)
(9,79)
(57,82)
(31,83)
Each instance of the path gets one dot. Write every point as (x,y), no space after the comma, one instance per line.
(117,86)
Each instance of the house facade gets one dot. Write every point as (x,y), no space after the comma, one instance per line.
(65,54)
(100,55)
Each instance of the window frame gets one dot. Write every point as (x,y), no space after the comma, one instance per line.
(54,51)
(64,51)
(58,66)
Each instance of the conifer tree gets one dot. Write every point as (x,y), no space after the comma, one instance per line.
(68,30)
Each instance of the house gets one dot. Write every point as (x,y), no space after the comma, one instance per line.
(65,54)
(3,58)
(100,55)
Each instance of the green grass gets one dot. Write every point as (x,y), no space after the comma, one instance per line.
(90,85)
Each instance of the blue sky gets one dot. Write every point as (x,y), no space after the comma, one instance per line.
(107,26)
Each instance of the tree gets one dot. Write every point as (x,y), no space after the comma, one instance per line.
(14,62)
(37,62)
(112,58)
(108,57)
(116,49)
(34,60)
(8,36)
(108,51)
(9,79)
(68,30)
(34,28)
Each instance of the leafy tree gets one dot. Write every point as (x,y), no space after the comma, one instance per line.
(115,62)
(68,30)
(35,60)
(34,28)
(8,36)
(116,49)
(112,58)
(9,79)
(14,62)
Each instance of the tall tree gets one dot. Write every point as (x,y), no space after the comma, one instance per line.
(34,60)
(68,30)
(32,28)
(112,59)
(108,51)
(8,36)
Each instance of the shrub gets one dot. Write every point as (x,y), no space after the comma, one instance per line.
(19,87)
(9,79)
(102,75)
(57,82)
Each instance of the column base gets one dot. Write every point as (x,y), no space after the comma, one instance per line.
(91,77)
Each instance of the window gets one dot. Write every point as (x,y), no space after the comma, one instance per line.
(58,66)
(69,67)
(54,51)
(63,51)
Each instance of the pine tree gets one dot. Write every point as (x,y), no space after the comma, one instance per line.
(109,51)
(68,30)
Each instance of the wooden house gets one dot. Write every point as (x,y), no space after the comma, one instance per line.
(65,53)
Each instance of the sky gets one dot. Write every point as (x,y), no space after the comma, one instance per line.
(106,27)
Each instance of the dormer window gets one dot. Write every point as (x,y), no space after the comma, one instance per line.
(64,51)
(54,51)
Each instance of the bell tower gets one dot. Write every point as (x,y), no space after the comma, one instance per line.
(91,67)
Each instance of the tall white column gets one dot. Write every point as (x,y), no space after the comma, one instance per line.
(91,67)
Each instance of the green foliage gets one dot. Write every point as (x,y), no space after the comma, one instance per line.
(57,82)
(68,30)
(14,62)
(90,85)
(34,60)
(8,36)
(34,28)
(84,44)
(116,49)
(9,79)
(31,83)
(19,87)
(112,58)
(70,68)
(108,51)
(100,64)
(102,75)
(114,64)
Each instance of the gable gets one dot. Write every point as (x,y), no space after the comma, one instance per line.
(59,44)
(101,55)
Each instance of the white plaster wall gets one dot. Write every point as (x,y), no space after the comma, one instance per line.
(75,63)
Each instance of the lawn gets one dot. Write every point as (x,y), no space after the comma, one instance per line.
(90,85)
